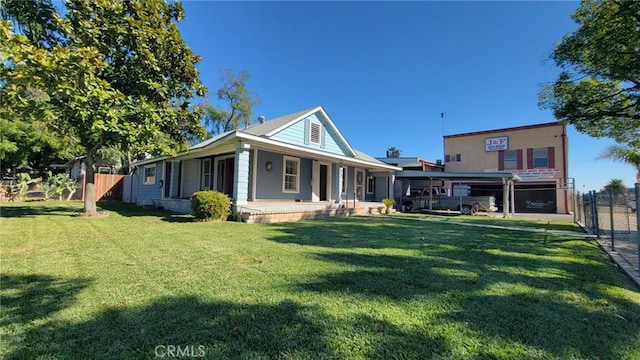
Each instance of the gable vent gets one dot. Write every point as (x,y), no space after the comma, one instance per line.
(314,133)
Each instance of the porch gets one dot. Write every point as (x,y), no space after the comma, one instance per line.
(271,212)
(279,211)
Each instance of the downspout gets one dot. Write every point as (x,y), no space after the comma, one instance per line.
(564,166)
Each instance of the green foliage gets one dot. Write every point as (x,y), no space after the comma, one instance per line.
(388,202)
(625,154)
(24,181)
(599,87)
(393,152)
(98,74)
(210,205)
(238,99)
(616,187)
(48,187)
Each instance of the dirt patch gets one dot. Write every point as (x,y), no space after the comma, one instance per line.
(99,214)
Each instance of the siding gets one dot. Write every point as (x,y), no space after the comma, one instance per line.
(149,191)
(269,183)
(296,135)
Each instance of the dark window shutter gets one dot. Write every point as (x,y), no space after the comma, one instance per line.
(529,158)
(447,158)
(501,160)
(307,125)
(551,158)
(458,157)
(519,159)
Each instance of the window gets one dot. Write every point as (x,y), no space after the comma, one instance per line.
(149,175)
(315,133)
(291,175)
(369,184)
(206,174)
(541,158)
(452,158)
(510,160)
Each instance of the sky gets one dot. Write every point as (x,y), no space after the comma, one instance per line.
(386,71)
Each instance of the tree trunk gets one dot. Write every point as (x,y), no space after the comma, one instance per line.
(638,174)
(89,186)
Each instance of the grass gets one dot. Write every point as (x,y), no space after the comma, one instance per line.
(497,220)
(140,283)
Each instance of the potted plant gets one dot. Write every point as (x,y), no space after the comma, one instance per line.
(388,202)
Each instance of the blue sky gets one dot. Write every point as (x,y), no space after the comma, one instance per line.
(385,71)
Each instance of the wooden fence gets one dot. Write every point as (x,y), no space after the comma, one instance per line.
(108,187)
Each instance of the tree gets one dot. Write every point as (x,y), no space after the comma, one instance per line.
(114,74)
(392,152)
(239,100)
(624,154)
(599,86)
(616,188)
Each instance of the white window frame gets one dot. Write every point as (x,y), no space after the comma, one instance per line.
(284,174)
(319,127)
(206,183)
(144,174)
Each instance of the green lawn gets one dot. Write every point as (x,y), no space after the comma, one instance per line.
(141,283)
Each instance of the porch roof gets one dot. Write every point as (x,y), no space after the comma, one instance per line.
(417,174)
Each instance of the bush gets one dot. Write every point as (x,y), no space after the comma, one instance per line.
(388,202)
(210,205)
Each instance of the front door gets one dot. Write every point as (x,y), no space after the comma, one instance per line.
(224,175)
(359,184)
(190,177)
(320,183)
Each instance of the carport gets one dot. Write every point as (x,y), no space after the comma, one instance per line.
(507,180)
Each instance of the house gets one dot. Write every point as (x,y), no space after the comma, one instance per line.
(295,163)
(536,154)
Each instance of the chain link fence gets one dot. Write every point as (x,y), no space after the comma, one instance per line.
(613,218)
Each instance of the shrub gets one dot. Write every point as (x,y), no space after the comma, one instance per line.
(210,205)
(388,202)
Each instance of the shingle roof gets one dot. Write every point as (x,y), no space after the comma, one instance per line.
(270,125)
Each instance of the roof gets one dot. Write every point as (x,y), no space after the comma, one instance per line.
(517,128)
(456,175)
(274,124)
(262,132)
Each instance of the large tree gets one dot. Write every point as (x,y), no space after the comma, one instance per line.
(114,74)
(599,87)
(237,104)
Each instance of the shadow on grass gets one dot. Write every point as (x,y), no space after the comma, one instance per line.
(532,291)
(39,209)
(54,208)
(211,330)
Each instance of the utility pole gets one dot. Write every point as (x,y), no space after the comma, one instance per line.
(443,148)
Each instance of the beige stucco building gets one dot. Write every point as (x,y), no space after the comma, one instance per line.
(536,153)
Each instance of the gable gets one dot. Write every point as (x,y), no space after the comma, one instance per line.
(313,131)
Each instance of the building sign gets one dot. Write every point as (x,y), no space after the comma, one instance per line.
(531,174)
(496,144)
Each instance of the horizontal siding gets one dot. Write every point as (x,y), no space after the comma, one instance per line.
(149,191)
(295,135)
(269,183)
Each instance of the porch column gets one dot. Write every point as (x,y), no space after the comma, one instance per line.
(392,185)
(241,174)
(505,198)
(338,181)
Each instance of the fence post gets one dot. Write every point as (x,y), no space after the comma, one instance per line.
(594,211)
(613,243)
(637,186)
